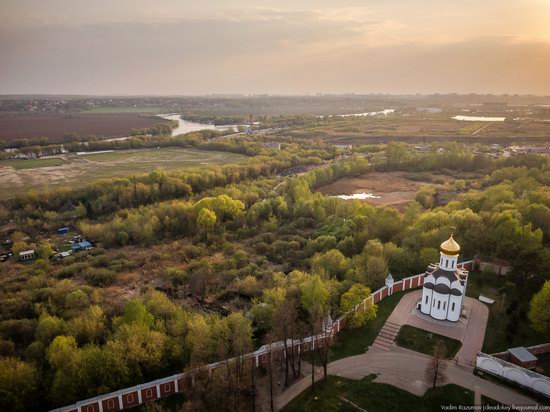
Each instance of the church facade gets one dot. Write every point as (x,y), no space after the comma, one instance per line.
(445,285)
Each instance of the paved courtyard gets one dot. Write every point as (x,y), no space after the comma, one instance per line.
(470,330)
(405,368)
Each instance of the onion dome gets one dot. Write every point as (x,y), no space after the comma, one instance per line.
(450,247)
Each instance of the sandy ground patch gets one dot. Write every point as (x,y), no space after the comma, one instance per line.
(393,188)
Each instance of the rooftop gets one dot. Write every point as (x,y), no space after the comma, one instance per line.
(522,354)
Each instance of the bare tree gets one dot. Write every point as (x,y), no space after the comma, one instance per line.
(435,371)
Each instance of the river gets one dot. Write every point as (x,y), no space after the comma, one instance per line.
(186,126)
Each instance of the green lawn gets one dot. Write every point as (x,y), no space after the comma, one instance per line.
(508,325)
(423,341)
(20,164)
(375,397)
(355,341)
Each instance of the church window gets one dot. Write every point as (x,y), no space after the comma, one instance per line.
(433,304)
(453,307)
(438,304)
(444,305)
(427,299)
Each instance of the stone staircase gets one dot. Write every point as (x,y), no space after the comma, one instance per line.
(387,336)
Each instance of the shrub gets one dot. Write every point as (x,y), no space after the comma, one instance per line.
(100,276)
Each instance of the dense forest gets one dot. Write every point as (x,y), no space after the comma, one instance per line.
(201,265)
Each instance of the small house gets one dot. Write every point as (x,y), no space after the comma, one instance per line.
(26,255)
(62,230)
(83,245)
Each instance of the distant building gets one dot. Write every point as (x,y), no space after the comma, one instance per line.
(83,245)
(343,146)
(62,230)
(26,255)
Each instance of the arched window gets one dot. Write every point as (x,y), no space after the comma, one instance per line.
(453,307)
(438,304)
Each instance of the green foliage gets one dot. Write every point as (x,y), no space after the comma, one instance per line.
(539,312)
(350,301)
(18,384)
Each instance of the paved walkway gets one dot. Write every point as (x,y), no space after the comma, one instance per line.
(405,369)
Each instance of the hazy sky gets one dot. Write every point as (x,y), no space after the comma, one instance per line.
(287,47)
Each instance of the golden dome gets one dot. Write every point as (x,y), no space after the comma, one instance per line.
(450,247)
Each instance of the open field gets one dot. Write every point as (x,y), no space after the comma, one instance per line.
(123,109)
(32,163)
(418,128)
(17,176)
(393,188)
(56,126)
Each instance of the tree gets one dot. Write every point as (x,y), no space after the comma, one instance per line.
(18,384)
(377,270)
(539,312)
(351,302)
(330,264)
(45,250)
(200,278)
(435,370)
(206,219)
(314,298)
(395,153)
(48,328)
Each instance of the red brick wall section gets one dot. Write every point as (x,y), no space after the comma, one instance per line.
(167,388)
(539,349)
(149,394)
(130,399)
(111,405)
(397,287)
(376,297)
(420,280)
(384,293)
(91,407)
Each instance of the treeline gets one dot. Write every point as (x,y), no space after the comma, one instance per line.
(159,129)
(46,209)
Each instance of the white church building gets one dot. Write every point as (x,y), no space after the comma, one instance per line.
(444,285)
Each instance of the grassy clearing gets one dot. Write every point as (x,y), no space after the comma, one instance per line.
(508,325)
(352,342)
(375,397)
(79,171)
(21,164)
(423,341)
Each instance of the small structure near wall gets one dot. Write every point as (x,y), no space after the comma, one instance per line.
(522,357)
(445,285)
(26,255)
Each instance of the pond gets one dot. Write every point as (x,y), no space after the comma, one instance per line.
(359,196)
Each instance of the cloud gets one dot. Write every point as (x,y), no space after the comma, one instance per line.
(347,49)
